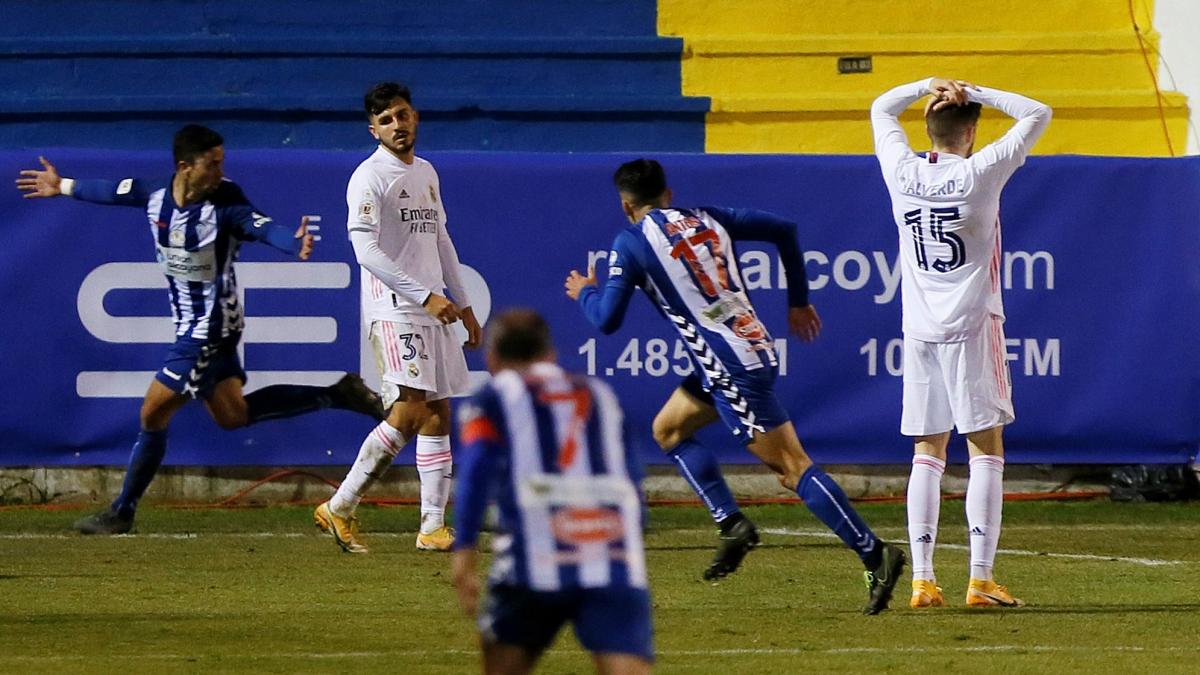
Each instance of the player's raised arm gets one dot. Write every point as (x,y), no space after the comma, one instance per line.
(1032,119)
(891,143)
(363,225)
(755,225)
(46,182)
(605,308)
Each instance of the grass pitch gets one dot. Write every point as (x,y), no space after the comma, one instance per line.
(1111,588)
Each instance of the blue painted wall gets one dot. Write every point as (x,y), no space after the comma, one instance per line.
(575,75)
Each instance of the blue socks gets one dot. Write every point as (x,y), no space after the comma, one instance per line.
(147,455)
(828,503)
(285,400)
(698,466)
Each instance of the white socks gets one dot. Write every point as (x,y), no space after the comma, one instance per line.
(924,506)
(985,499)
(374,457)
(433,466)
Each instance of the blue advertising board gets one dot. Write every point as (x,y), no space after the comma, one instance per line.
(1102,290)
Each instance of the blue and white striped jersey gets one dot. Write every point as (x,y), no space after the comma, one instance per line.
(685,261)
(549,448)
(196,246)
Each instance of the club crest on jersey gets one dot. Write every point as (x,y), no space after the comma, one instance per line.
(747,327)
(177,237)
(413,371)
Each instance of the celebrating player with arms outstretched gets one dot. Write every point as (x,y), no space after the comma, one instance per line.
(198,220)
(549,447)
(397,225)
(684,260)
(946,206)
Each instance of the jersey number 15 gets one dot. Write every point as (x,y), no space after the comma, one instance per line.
(936,220)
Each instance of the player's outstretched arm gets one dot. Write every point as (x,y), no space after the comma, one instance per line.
(44,182)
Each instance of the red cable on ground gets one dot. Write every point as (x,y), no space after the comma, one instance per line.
(1158,97)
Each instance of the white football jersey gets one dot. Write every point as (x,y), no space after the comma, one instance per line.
(947,209)
(400,206)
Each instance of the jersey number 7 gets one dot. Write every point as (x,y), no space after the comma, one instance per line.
(936,219)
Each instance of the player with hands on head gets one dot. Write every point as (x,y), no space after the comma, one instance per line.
(684,260)
(946,206)
(198,219)
(397,226)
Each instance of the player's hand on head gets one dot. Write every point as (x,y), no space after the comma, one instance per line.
(306,240)
(576,281)
(40,183)
(804,322)
(440,308)
(474,331)
(948,92)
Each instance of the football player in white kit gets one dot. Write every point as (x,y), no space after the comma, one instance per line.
(397,225)
(946,205)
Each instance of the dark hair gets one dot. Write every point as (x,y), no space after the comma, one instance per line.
(642,179)
(193,141)
(381,95)
(948,124)
(519,335)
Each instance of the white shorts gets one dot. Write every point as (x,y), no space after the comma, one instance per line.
(429,358)
(964,385)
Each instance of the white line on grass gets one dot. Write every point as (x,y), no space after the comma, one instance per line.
(1149,562)
(665,653)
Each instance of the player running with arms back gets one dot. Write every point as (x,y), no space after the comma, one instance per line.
(198,219)
(946,205)
(397,225)
(549,448)
(684,259)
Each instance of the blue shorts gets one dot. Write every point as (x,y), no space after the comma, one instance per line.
(746,402)
(610,620)
(195,367)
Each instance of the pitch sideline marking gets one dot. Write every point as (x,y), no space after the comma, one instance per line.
(1148,562)
(764,651)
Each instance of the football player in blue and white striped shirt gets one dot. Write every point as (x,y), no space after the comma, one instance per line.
(548,447)
(198,219)
(684,259)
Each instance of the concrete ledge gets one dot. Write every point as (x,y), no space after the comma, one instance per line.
(214,485)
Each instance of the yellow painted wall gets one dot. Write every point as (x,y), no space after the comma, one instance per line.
(770,67)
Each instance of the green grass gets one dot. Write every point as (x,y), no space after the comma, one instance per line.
(258,589)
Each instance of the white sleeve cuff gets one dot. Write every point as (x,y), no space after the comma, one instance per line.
(67,186)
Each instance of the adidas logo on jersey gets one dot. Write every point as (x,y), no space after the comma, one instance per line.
(403,194)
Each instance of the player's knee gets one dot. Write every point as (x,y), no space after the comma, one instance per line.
(230,417)
(666,434)
(154,417)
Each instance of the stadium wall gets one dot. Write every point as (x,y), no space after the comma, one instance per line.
(1102,291)
(1179,66)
